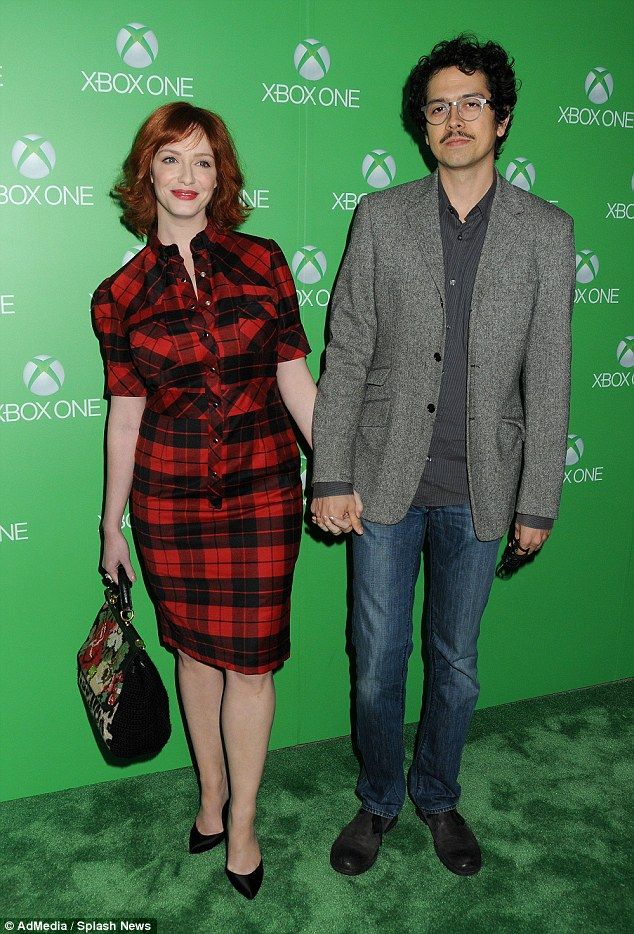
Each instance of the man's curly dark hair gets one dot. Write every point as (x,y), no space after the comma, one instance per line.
(468,54)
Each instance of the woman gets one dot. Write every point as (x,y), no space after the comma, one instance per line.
(204,355)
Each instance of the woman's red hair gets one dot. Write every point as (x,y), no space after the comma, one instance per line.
(169,124)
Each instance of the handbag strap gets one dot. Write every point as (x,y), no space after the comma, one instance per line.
(119,597)
(125,597)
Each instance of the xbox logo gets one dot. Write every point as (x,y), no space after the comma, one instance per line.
(599,85)
(137,45)
(625,351)
(587,266)
(309,265)
(43,375)
(131,253)
(378,168)
(33,156)
(311,59)
(574,452)
(521,173)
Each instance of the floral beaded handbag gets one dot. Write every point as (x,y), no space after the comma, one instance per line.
(124,695)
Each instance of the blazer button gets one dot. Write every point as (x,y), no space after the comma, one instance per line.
(437,357)
(431,407)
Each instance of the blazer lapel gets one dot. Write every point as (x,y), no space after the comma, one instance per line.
(425,230)
(503,231)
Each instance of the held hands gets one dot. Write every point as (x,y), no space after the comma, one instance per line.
(115,553)
(530,540)
(338,514)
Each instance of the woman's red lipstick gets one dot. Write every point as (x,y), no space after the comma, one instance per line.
(185,194)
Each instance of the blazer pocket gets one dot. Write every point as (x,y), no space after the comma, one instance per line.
(518,421)
(375,389)
(375,413)
(510,436)
(377,375)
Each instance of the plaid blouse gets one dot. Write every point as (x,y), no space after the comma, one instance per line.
(214,421)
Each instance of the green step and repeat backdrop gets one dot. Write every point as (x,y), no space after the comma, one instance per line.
(311,90)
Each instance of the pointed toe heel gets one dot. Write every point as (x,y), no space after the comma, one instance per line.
(248,885)
(202,842)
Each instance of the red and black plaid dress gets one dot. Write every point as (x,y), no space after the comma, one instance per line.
(216,496)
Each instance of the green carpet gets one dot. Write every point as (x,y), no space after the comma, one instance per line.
(546,784)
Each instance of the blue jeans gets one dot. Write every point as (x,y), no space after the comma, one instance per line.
(386,562)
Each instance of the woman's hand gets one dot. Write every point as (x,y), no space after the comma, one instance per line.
(116,553)
(338,514)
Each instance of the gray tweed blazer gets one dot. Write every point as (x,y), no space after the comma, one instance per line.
(373,419)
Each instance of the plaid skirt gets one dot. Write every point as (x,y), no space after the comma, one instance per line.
(221,576)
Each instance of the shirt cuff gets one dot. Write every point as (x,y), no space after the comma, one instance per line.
(534,522)
(332,488)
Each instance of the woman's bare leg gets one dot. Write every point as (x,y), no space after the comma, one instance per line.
(201,689)
(247,715)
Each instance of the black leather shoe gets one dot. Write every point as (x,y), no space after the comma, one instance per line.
(201,842)
(454,841)
(248,885)
(356,848)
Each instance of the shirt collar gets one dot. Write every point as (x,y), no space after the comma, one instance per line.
(482,207)
(202,241)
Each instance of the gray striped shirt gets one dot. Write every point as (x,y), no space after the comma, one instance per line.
(444,479)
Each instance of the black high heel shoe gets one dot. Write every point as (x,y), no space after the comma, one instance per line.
(201,842)
(248,885)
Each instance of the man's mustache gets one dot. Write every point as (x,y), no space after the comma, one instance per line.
(455,135)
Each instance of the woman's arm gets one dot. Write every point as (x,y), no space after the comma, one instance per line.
(124,420)
(298,391)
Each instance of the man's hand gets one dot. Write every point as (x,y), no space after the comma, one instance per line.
(530,540)
(338,514)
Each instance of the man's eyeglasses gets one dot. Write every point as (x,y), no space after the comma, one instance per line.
(469,108)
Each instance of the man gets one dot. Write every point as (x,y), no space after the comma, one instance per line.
(442,414)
